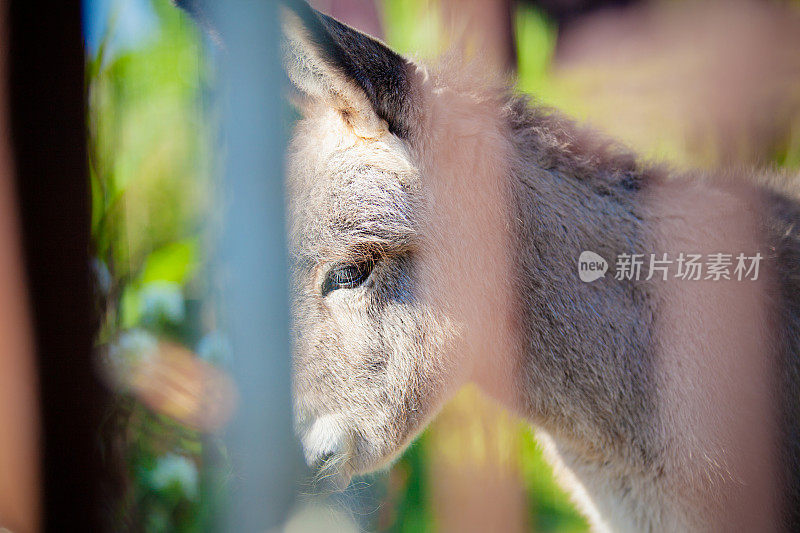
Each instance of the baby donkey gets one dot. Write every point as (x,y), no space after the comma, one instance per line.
(443,229)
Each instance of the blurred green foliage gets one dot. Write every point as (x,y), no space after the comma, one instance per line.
(149,160)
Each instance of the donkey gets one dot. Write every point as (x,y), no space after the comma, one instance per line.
(437,223)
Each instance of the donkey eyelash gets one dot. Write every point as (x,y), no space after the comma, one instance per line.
(347,275)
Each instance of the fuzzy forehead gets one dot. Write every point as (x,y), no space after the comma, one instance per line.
(348,195)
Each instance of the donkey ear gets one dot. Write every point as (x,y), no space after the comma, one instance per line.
(365,80)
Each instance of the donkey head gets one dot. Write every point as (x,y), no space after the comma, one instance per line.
(368,364)
(374,355)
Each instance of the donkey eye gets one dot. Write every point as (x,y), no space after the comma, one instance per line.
(347,276)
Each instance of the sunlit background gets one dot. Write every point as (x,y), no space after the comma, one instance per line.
(646,79)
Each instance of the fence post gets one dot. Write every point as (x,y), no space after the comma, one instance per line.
(260,441)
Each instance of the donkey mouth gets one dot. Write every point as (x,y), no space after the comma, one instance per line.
(327,451)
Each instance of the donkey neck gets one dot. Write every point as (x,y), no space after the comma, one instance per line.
(625,375)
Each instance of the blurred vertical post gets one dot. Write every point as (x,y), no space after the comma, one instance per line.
(363,15)
(261,445)
(19,444)
(488,25)
(47,119)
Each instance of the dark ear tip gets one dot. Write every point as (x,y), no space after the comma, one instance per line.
(380,72)
(299,6)
(196,8)
(377,70)
(310,18)
(314,23)
(199,11)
